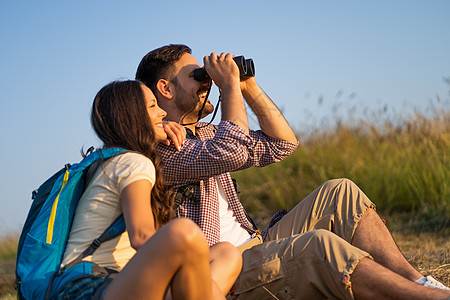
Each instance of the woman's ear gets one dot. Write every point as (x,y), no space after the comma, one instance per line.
(164,88)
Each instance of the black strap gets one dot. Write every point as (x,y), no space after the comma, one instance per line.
(114,230)
(203,106)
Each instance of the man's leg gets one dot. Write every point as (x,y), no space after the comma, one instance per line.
(341,207)
(337,205)
(313,265)
(321,265)
(370,280)
(371,235)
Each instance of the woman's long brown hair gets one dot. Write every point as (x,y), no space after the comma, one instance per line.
(119,118)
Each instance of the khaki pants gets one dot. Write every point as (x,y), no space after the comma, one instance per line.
(307,254)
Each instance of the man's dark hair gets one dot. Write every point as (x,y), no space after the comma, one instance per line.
(158,64)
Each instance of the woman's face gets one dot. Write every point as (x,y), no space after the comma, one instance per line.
(155,113)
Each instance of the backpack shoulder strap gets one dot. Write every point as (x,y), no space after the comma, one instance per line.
(116,228)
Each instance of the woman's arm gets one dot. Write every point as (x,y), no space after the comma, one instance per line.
(137,211)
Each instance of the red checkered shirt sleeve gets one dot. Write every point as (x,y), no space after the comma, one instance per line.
(219,150)
(265,150)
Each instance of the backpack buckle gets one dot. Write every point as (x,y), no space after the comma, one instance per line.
(96,243)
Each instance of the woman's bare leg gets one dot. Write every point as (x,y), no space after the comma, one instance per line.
(226,264)
(177,256)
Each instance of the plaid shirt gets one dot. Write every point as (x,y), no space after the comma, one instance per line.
(215,152)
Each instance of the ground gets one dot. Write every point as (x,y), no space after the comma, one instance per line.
(428,253)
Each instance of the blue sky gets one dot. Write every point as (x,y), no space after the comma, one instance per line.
(55,56)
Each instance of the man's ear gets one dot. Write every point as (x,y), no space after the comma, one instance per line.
(164,88)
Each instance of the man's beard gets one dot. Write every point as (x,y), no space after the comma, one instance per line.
(189,104)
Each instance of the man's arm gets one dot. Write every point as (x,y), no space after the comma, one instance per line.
(226,151)
(270,118)
(227,148)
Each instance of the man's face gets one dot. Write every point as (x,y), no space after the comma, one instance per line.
(189,93)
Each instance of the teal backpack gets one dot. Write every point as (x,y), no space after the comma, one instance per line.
(46,230)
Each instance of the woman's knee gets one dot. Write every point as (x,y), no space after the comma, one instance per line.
(227,252)
(187,237)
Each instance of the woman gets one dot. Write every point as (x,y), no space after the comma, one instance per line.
(155,258)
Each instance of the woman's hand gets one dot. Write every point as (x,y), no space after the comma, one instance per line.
(176,134)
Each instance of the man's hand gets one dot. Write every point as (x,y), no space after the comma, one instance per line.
(175,134)
(222,69)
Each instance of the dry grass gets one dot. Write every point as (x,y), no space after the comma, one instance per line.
(428,253)
(8,248)
(7,267)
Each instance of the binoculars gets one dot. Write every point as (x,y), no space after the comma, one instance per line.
(246,69)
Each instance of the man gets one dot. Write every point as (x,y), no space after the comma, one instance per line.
(330,237)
